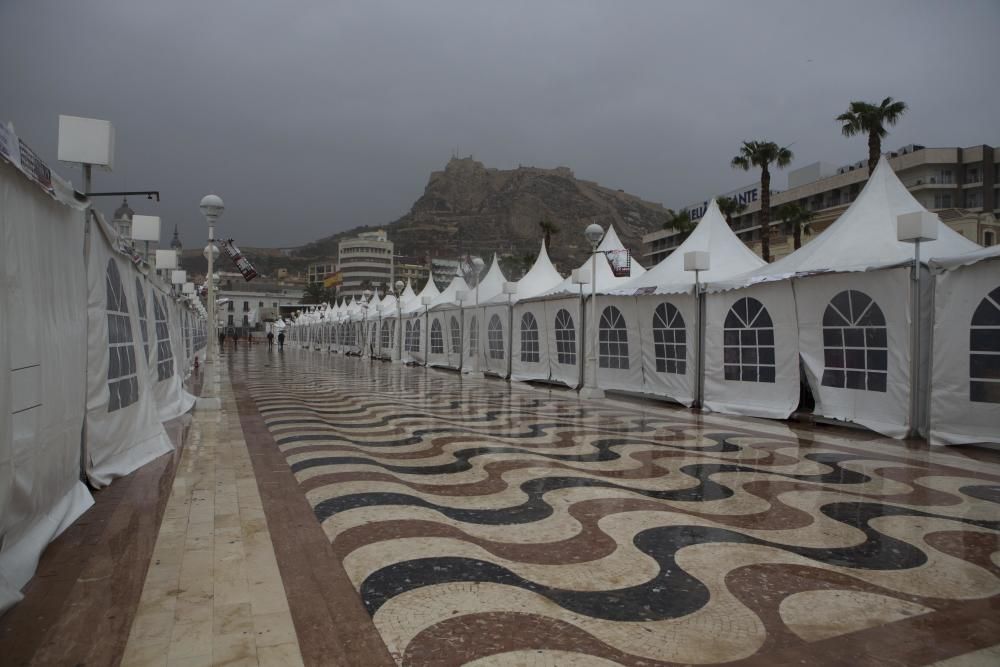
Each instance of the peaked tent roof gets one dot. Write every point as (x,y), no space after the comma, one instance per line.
(606,279)
(430,289)
(540,278)
(448,296)
(408,295)
(491,284)
(863,238)
(728,257)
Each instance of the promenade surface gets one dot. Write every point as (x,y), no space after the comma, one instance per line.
(339,511)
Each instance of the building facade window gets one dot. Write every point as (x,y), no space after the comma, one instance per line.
(855,350)
(748,342)
(437,338)
(613,338)
(123,379)
(984,348)
(140,298)
(494,337)
(669,339)
(565,338)
(456,336)
(942,200)
(529,338)
(473,336)
(164,352)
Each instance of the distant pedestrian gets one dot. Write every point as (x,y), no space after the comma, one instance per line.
(281,341)
(270,340)
(236,339)
(249,338)
(222,340)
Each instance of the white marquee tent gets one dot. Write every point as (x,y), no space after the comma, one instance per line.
(844,302)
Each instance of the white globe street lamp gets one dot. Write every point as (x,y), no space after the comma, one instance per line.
(594,234)
(212,208)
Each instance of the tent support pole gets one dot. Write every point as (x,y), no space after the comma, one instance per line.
(699,295)
(915,299)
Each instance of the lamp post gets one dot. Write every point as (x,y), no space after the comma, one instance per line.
(914,228)
(212,208)
(461,296)
(426,302)
(698,261)
(594,234)
(477,268)
(367,294)
(399,322)
(378,334)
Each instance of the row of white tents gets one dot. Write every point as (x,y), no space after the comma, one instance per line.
(94,351)
(899,350)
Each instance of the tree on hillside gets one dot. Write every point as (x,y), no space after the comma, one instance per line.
(549,228)
(316,293)
(729,206)
(762,154)
(871,119)
(796,219)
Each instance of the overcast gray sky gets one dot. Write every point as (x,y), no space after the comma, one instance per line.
(312,117)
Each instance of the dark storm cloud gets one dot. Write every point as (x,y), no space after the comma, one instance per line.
(312,117)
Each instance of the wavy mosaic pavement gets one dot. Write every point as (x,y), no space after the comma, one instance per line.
(489,524)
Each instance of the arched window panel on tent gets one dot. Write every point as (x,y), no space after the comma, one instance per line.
(855,352)
(386,339)
(565,338)
(456,336)
(748,342)
(187,333)
(123,381)
(408,337)
(669,339)
(473,335)
(437,338)
(140,298)
(984,349)
(529,338)
(371,335)
(494,337)
(613,339)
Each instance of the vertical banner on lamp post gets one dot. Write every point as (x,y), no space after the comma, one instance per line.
(241,262)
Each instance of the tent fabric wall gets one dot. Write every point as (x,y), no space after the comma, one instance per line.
(736,351)
(564,368)
(619,344)
(163,368)
(854,339)
(123,425)
(523,367)
(668,335)
(965,393)
(495,356)
(42,392)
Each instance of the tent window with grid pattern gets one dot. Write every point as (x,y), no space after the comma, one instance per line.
(494,336)
(473,335)
(408,343)
(371,335)
(855,348)
(186,326)
(437,338)
(984,346)
(613,338)
(748,342)
(529,338)
(140,298)
(386,335)
(456,336)
(565,338)
(164,352)
(669,339)
(123,381)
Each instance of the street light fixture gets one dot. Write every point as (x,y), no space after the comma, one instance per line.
(211,208)
(698,261)
(594,234)
(399,321)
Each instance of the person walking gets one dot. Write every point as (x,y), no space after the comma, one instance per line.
(222,340)
(236,339)
(270,340)
(281,340)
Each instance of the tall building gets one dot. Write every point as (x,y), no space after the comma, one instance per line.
(175,244)
(317,273)
(961,185)
(122,221)
(366,262)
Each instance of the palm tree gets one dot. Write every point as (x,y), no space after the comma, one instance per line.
(548,229)
(762,154)
(680,222)
(865,117)
(798,219)
(730,206)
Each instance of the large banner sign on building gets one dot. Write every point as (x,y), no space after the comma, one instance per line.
(744,196)
(241,262)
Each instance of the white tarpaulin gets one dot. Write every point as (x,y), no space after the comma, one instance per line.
(123,422)
(965,390)
(43,347)
(156,314)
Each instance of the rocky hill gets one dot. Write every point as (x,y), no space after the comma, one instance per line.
(467,208)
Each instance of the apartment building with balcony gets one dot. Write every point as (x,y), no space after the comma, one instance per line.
(366,262)
(961,185)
